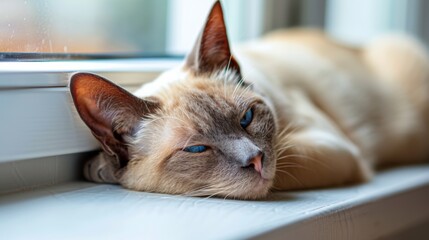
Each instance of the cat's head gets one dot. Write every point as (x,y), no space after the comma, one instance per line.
(206,132)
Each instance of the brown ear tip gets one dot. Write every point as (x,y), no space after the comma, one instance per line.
(217,7)
(73,79)
(76,77)
(77,81)
(80,77)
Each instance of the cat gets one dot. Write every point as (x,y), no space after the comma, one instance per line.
(292,110)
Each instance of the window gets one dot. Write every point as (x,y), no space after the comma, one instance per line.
(43,142)
(111,28)
(359,21)
(131,42)
(105,28)
(79,26)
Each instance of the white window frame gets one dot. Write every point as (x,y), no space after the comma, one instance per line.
(40,124)
(43,142)
(42,137)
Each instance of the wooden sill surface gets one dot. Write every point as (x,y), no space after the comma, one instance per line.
(396,200)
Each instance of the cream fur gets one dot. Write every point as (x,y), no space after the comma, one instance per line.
(341,111)
(322,114)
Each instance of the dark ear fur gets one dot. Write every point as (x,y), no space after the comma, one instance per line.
(211,51)
(109,111)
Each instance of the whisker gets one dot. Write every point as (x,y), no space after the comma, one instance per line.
(285,134)
(187,141)
(288,164)
(311,159)
(237,87)
(229,63)
(292,167)
(245,90)
(198,192)
(154,119)
(283,149)
(290,175)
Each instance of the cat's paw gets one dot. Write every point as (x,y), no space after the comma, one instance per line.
(100,169)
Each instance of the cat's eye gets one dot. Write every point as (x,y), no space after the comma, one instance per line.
(247,118)
(195,149)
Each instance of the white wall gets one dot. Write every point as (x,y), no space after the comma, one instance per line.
(359,21)
(244,20)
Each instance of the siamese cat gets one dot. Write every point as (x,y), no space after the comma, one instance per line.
(292,110)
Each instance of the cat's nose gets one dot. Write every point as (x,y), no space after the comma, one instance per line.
(255,162)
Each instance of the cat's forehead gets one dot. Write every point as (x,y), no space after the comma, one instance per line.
(210,101)
(205,92)
(207,112)
(206,106)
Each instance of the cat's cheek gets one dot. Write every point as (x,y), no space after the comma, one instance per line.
(269,165)
(263,125)
(262,132)
(191,167)
(270,172)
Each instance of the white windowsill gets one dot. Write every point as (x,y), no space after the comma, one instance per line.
(56,73)
(37,115)
(396,200)
(115,65)
(38,121)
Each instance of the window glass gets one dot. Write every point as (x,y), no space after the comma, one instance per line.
(82,26)
(115,28)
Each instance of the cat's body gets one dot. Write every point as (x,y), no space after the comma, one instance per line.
(336,100)
(322,114)
(368,105)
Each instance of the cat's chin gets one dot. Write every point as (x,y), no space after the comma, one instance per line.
(257,188)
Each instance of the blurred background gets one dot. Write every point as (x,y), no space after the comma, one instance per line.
(169,27)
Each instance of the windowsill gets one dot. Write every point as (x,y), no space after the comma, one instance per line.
(396,200)
(15,74)
(38,116)
(50,143)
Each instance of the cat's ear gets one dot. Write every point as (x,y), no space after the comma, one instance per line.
(211,52)
(111,112)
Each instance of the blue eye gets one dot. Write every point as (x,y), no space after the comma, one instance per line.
(195,149)
(247,118)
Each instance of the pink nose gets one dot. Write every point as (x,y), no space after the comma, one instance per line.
(256,162)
